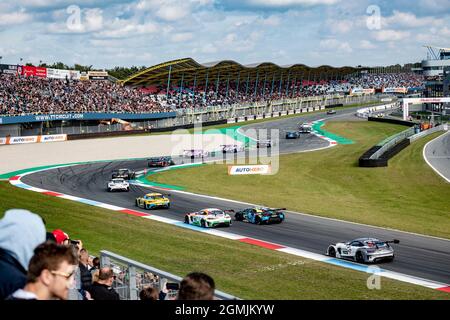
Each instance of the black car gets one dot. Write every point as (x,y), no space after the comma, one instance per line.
(292,135)
(160,162)
(263,143)
(126,174)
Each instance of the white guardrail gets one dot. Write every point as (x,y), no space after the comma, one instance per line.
(367,112)
(442,127)
(274,114)
(133,275)
(407,134)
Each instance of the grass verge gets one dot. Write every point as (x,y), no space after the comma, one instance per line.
(238,268)
(406,195)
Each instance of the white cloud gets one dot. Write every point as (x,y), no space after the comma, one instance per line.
(390,35)
(89,20)
(335,45)
(366,44)
(121,28)
(209,48)
(181,37)
(271,21)
(410,20)
(285,3)
(172,13)
(14,18)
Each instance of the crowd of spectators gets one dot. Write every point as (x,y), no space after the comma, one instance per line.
(20,95)
(388,80)
(40,265)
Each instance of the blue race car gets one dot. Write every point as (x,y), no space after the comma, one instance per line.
(261,215)
(292,135)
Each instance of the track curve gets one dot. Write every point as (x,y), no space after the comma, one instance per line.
(416,255)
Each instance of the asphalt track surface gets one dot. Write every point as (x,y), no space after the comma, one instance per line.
(416,255)
(437,153)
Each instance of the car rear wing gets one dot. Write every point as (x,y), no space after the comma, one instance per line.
(396,241)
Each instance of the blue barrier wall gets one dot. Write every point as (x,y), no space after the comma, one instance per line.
(86,116)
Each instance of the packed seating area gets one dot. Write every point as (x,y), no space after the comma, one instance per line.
(20,95)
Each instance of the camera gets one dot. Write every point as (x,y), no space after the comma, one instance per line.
(172,286)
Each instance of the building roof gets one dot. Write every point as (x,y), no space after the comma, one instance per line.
(190,70)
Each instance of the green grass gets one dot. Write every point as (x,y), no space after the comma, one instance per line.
(406,195)
(240,269)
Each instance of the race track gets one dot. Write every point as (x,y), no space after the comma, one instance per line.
(437,153)
(416,255)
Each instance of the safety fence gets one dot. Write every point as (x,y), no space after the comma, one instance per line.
(186,117)
(379,155)
(133,276)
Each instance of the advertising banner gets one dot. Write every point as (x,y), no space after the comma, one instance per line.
(34,71)
(8,68)
(33,139)
(97,75)
(63,74)
(53,138)
(23,140)
(85,116)
(395,90)
(361,91)
(250,169)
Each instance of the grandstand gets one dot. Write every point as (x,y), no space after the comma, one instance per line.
(35,100)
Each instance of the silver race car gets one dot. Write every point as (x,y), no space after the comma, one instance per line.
(232,148)
(195,153)
(363,250)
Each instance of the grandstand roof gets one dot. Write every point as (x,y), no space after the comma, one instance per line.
(188,69)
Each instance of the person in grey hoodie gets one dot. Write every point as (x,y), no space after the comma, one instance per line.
(21,231)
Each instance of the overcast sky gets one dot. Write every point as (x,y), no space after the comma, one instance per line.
(146,32)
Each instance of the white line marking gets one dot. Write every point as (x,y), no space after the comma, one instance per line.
(426,160)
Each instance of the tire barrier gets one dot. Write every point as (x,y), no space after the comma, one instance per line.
(382,161)
(393,121)
(336,105)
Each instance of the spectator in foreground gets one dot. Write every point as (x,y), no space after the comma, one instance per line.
(20,233)
(102,289)
(50,273)
(149,294)
(196,286)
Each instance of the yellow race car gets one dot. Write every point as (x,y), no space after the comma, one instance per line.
(152,201)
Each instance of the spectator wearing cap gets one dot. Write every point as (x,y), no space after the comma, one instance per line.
(50,273)
(61,237)
(21,231)
(102,289)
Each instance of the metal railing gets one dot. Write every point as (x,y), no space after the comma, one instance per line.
(209,114)
(133,276)
(442,127)
(391,141)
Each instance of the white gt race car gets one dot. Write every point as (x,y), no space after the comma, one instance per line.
(363,250)
(195,153)
(209,218)
(118,184)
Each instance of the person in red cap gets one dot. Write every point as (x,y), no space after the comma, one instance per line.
(61,237)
